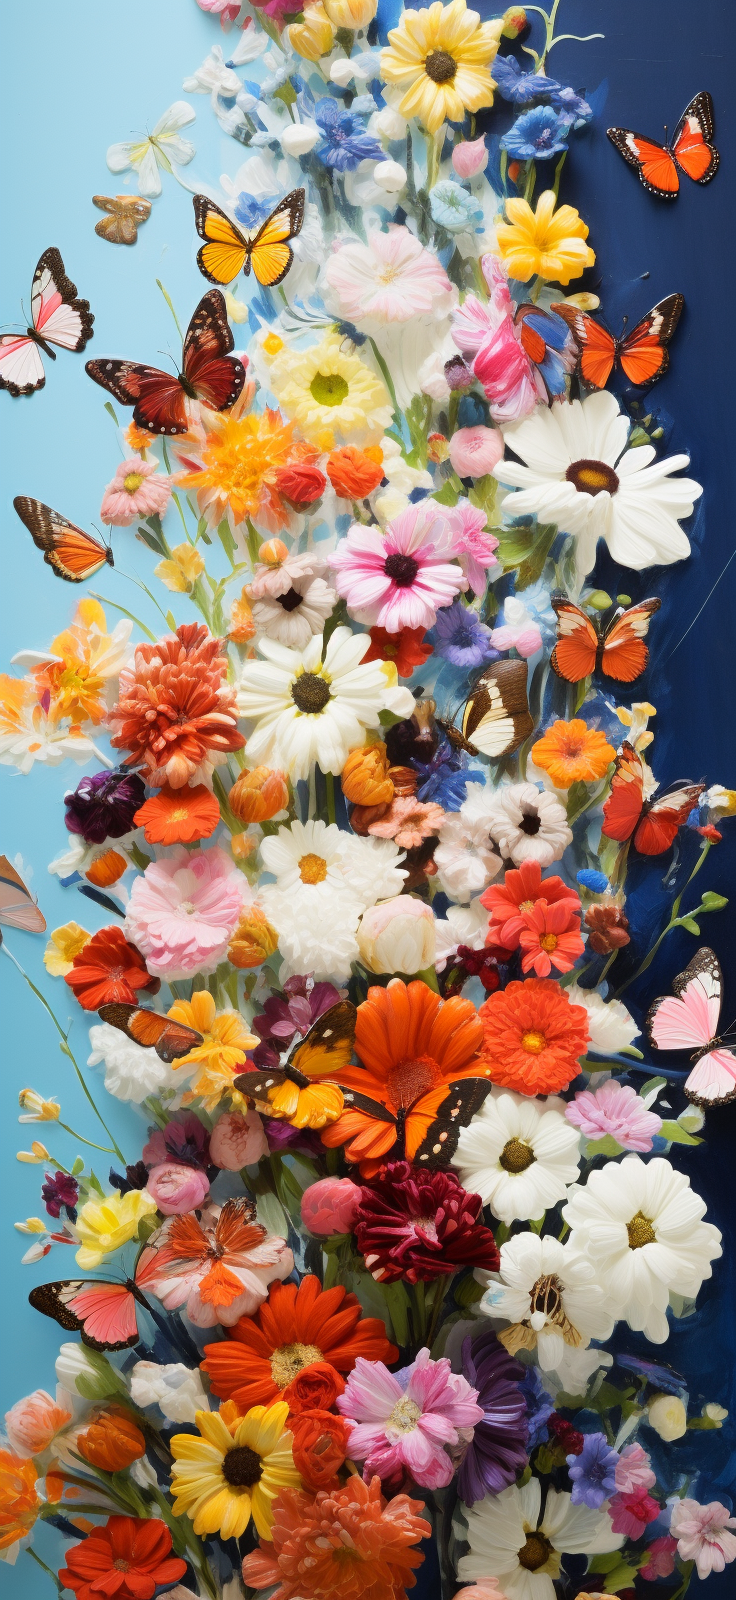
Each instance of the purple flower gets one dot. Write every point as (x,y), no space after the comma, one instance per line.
(539,1407)
(183,1139)
(281,1136)
(345,143)
(60,1192)
(136,1177)
(445,778)
(571,106)
(520,87)
(498,1448)
(292,1012)
(103,805)
(593,1472)
(462,638)
(537,135)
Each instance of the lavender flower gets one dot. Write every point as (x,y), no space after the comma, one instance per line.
(498,1448)
(345,143)
(593,1472)
(462,638)
(103,805)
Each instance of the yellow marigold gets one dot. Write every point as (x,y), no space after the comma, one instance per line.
(313,37)
(253,941)
(19,1503)
(182,570)
(440,58)
(236,470)
(327,392)
(65,943)
(571,752)
(364,778)
(545,243)
(221,1055)
(104,1225)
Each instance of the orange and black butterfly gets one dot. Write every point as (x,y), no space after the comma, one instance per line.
(168,1038)
(103,1312)
(298,1090)
(651,825)
(426,1132)
(228,251)
(73,554)
(692,150)
(618,649)
(641,354)
(209,373)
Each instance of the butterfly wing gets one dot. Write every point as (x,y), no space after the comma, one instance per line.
(652,161)
(576,652)
(149,1029)
(158,397)
(623,808)
(126,213)
(216,376)
(688,1018)
(596,346)
(104,1313)
(271,254)
(643,353)
(624,654)
(21,367)
(225,251)
(438,1142)
(692,146)
(713,1079)
(18,908)
(496,717)
(58,314)
(329,1044)
(68,550)
(663,817)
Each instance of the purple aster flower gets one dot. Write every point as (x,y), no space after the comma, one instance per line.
(593,1472)
(136,1177)
(537,135)
(345,143)
(498,1449)
(462,638)
(571,106)
(103,805)
(539,1407)
(445,778)
(60,1193)
(183,1139)
(457,374)
(520,87)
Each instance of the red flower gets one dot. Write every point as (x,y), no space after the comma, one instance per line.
(533,1036)
(107,969)
(127,1559)
(405,649)
(420,1226)
(609,928)
(567,1438)
(301,484)
(506,902)
(550,938)
(320,1447)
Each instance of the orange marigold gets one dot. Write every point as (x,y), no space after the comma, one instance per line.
(256,796)
(179,816)
(533,1036)
(112,1442)
(176,713)
(571,752)
(19,1503)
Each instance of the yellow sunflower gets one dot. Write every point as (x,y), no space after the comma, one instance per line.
(220,1056)
(440,59)
(223,1478)
(545,243)
(328,392)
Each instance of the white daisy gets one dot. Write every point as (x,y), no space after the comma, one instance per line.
(466,856)
(641,1223)
(307,710)
(526,823)
(508,1540)
(293,618)
(578,474)
(313,862)
(612,1027)
(550,1294)
(131,1073)
(517,1154)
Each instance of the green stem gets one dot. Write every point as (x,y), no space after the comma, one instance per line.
(673,922)
(42,1564)
(388,380)
(170,305)
(106,1149)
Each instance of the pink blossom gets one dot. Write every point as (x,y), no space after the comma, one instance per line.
(475,451)
(391,279)
(330,1206)
(660,1562)
(176,1188)
(488,334)
(227,10)
(633,1471)
(614,1109)
(34,1421)
(701,1534)
(270,580)
(630,1513)
(472,544)
(401,578)
(526,640)
(237,1141)
(137,490)
(183,911)
(404,1420)
(470,157)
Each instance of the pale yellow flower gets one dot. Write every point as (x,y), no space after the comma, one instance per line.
(36,1109)
(182,570)
(635,718)
(65,943)
(31,1225)
(313,37)
(35,1155)
(220,1056)
(329,393)
(545,242)
(440,59)
(351,14)
(104,1225)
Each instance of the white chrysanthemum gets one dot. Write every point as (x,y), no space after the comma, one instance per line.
(509,1542)
(551,1295)
(517,1154)
(466,925)
(578,474)
(466,857)
(323,945)
(294,617)
(315,862)
(526,823)
(307,710)
(612,1027)
(131,1073)
(641,1224)
(176,1389)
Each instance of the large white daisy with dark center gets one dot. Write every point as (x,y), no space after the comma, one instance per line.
(512,1539)
(517,1154)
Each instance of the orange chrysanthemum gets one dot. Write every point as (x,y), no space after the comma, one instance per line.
(413,1045)
(178,816)
(19,1503)
(355,473)
(176,714)
(571,752)
(345,1544)
(237,469)
(533,1036)
(294,1329)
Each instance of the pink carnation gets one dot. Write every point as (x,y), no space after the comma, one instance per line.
(633,1471)
(702,1536)
(526,640)
(474,547)
(137,490)
(470,157)
(614,1109)
(660,1562)
(403,1420)
(487,335)
(391,279)
(237,1141)
(183,911)
(474,452)
(630,1513)
(176,1188)
(399,579)
(227,10)
(330,1206)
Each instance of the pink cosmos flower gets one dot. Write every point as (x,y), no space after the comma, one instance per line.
(615,1108)
(330,1206)
(472,544)
(400,578)
(470,157)
(660,1562)
(701,1534)
(391,279)
(487,335)
(183,911)
(633,1470)
(409,821)
(137,490)
(475,451)
(404,1420)
(631,1513)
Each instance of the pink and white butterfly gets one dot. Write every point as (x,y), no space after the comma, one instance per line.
(688,1020)
(57,317)
(103,1312)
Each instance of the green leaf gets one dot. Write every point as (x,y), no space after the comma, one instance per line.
(577,795)
(171,619)
(272,1216)
(622,1577)
(514,545)
(710,901)
(605,1563)
(532,568)
(483,494)
(447,495)
(397,1306)
(287,93)
(677,1134)
(690,924)
(139,857)
(151,539)
(111,413)
(77,1167)
(607,1146)
(227,541)
(537,1223)
(650,1086)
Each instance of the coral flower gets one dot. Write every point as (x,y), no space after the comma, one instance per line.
(217,1264)
(176,713)
(223,1478)
(400,578)
(295,1329)
(34,1421)
(354,473)
(126,1560)
(137,490)
(571,752)
(413,1045)
(440,59)
(179,816)
(19,1503)
(533,1037)
(550,938)
(544,242)
(609,928)
(406,649)
(236,471)
(320,1445)
(108,968)
(508,902)
(225,1039)
(347,1544)
(409,822)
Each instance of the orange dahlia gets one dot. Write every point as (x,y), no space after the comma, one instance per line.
(413,1045)
(344,1544)
(179,816)
(533,1036)
(19,1503)
(293,1330)
(571,752)
(176,713)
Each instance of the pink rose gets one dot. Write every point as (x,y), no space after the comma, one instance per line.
(177,1188)
(330,1206)
(33,1422)
(237,1141)
(475,451)
(527,640)
(469,157)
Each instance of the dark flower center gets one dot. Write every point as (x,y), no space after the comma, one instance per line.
(546,1297)
(440,67)
(402,569)
(592,477)
(516,1156)
(534,1552)
(640,1231)
(242,1467)
(121,1565)
(290,600)
(530,822)
(310,693)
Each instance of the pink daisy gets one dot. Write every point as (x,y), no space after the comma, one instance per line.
(615,1108)
(702,1534)
(137,490)
(408,822)
(404,1420)
(184,911)
(400,578)
(472,544)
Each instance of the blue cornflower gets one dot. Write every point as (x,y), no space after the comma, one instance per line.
(539,1407)
(345,143)
(454,208)
(445,778)
(537,135)
(520,87)
(462,638)
(593,1472)
(571,106)
(252,212)
(597,882)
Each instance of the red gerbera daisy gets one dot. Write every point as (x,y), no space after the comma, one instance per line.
(550,938)
(126,1560)
(107,969)
(533,1036)
(506,902)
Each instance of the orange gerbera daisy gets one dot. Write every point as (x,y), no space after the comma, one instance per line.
(413,1045)
(179,816)
(294,1329)
(571,752)
(533,1036)
(341,1544)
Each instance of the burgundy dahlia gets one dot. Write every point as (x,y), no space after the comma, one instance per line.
(420,1226)
(60,1192)
(498,1450)
(103,805)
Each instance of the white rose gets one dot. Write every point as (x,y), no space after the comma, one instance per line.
(668,1416)
(397,936)
(612,1028)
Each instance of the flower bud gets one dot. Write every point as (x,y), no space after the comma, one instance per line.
(297,139)
(87,1372)
(354,473)
(514,22)
(599,600)
(352,14)
(301,484)
(257,796)
(475,451)
(272,552)
(330,1206)
(390,176)
(253,941)
(667,1416)
(389,124)
(112,1442)
(243,846)
(470,157)
(106,869)
(313,37)
(364,777)
(177,1188)
(397,936)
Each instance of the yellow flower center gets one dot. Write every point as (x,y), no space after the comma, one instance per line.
(291,1359)
(272,344)
(329,388)
(312,869)
(533,1041)
(516,1156)
(640,1231)
(440,66)
(405,1416)
(592,477)
(549,941)
(133,482)
(180,814)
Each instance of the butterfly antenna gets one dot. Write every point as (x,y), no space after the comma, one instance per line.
(170,304)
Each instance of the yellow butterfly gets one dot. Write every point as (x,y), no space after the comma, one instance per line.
(227,251)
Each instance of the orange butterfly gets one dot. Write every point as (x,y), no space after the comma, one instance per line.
(692,150)
(618,650)
(73,554)
(169,1039)
(642,354)
(650,824)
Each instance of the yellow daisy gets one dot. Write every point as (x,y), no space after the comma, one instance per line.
(328,392)
(545,243)
(440,58)
(65,943)
(221,1055)
(222,1479)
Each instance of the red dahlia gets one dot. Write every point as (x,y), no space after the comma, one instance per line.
(420,1226)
